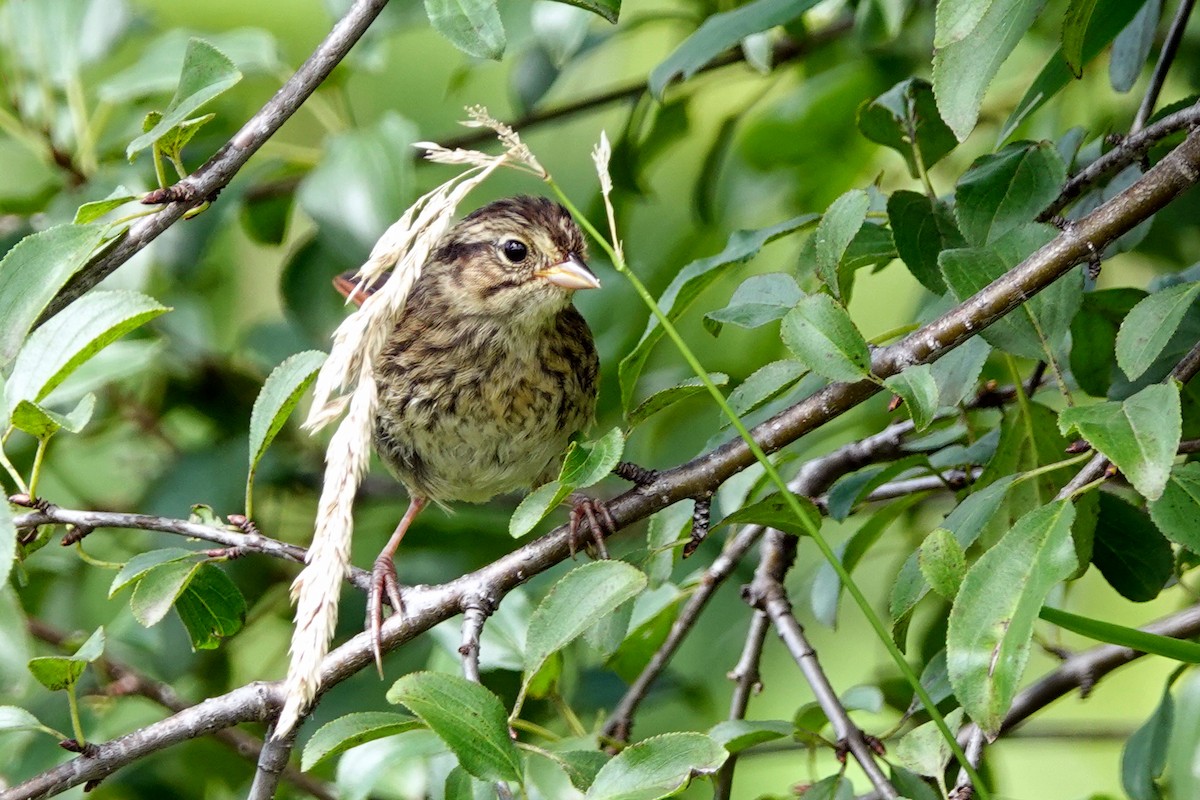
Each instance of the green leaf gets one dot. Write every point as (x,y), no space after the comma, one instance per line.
(765,384)
(1004,191)
(71,337)
(942,563)
(956,19)
(689,283)
(1176,511)
(275,402)
(211,607)
(534,507)
(609,9)
(134,569)
(90,212)
(758,300)
(921,230)
(972,54)
(207,73)
(851,489)
(657,767)
(664,531)
(172,142)
(905,117)
(61,672)
(582,766)
(472,26)
(1131,48)
(361,186)
(1150,325)
(1042,322)
(919,391)
(1152,643)
(1129,551)
(13,718)
(588,463)
(924,750)
(838,225)
(1094,334)
(467,717)
(338,736)
(1145,753)
(580,597)
(158,590)
(1140,434)
(56,673)
(1075,24)
(822,336)
(33,271)
(774,511)
(42,423)
(991,622)
(1181,778)
(736,735)
(718,33)
(668,397)
(1108,18)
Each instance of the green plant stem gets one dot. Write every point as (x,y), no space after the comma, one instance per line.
(1042,470)
(76,724)
(160,173)
(788,497)
(36,471)
(1087,487)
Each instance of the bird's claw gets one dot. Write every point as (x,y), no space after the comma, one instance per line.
(599,522)
(383,583)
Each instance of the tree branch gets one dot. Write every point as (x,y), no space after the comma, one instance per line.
(767,594)
(1165,57)
(251,542)
(1129,150)
(215,174)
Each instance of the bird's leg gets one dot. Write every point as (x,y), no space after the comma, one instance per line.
(383,580)
(599,521)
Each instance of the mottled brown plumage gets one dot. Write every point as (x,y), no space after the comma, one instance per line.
(490,370)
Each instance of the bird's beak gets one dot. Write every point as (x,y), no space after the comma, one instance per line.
(570,274)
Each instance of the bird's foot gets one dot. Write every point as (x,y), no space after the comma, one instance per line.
(599,523)
(634,473)
(384,583)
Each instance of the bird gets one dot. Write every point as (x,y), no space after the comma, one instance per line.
(488,374)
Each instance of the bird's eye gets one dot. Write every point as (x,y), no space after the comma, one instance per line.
(515,251)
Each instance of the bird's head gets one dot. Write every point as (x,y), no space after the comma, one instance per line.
(518,258)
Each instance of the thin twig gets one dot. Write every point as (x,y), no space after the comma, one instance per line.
(248,542)
(766,593)
(475,614)
(748,682)
(1165,57)
(1130,149)
(215,174)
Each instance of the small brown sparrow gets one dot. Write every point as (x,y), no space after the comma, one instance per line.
(489,372)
